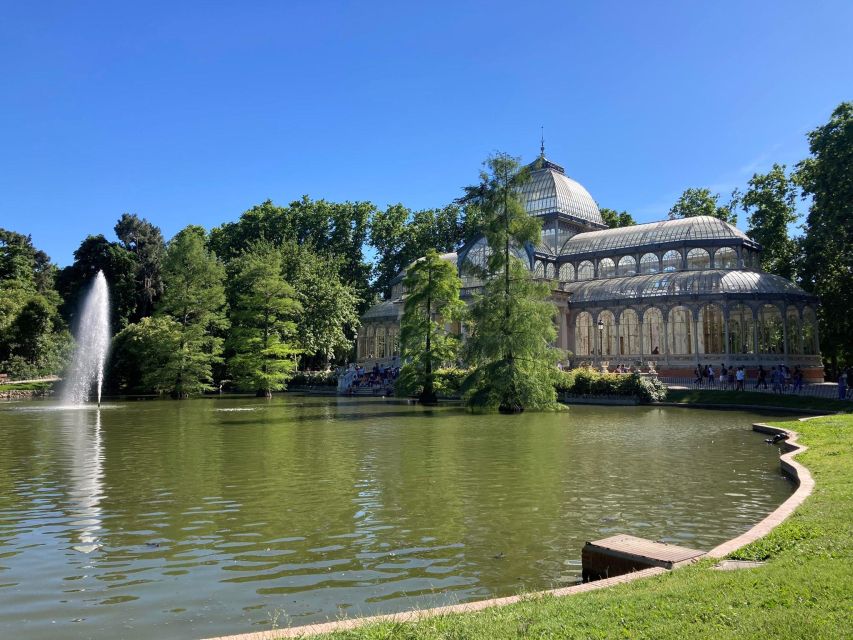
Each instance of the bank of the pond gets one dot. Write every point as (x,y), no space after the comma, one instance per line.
(804,591)
(756,401)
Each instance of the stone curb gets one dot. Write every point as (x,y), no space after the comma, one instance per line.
(790,467)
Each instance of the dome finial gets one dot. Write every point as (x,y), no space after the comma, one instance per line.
(542,143)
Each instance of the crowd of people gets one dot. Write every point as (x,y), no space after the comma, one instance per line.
(781,378)
(380,379)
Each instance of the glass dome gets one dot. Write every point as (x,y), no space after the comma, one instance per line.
(550,190)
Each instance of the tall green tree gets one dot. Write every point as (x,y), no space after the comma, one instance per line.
(262,325)
(327,325)
(432,301)
(513,322)
(615,219)
(94,254)
(701,202)
(145,242)
(769,203)
(401,236)
(194,297)
(826,178)
(34,340)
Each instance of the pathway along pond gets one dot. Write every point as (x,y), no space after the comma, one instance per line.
(204,517)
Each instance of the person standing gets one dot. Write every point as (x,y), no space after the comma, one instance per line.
(762,377)
(842,385)
(724,376)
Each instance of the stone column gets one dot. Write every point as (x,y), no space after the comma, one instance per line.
(785,335)
(726,348)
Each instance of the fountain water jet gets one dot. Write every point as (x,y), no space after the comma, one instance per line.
(93,341)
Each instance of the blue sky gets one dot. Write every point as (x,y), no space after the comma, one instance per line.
(191,112)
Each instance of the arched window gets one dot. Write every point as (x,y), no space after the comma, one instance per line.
(539,269)
(567,272)
(810,345)
(794,330)
(769,329)
(393,341)
(649,263)
(370,343)
(379,351)
(680,331)
(549,271)
(585,270)
(584,338)
(741,332)
(672,261)
(608,338)
(698,259)
(653,332)
(627,266)
(725,258)
(606,268)
(711,318)
(629,333)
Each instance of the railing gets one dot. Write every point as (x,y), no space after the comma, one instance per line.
(820,390)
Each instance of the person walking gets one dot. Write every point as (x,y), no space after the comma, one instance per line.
(724,376)
(709,372)
(740,376)
(842,385)
(798,379)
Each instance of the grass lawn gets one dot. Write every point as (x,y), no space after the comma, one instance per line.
(26,386)
(757,399)
(805,590)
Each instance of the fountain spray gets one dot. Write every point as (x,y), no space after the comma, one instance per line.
(93,341)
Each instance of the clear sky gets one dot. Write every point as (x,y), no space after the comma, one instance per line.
(191,112)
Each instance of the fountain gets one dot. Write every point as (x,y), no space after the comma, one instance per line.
(93,341)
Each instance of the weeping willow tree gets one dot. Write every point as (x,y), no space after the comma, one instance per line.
(432,300)
(512,320)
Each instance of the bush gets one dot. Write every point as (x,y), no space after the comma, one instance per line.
(313,379)
(586,382)
(445,381)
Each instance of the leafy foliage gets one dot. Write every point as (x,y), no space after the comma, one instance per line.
(769,202)
(194,297)
(701,202)
(512,321)
(586,382)
(145,242)
(615,219)
(143,356)
(827,264)
(432,301)
(261,321)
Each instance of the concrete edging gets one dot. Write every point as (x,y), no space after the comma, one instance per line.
(790,467)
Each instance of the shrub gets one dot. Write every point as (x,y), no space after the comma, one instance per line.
(585,382)
(313,379)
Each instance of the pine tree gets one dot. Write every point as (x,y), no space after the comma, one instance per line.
(194,297)
(513,321)
(262,321)
(432,300)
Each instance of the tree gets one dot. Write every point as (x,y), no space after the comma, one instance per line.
(263,359)
(329,320)
(142,356)
(615,219)
(769,205)
(194,297)
(432,300)
(145,242)
(512,321)
(827,264)
(701,202)
(95,254)
(401,236)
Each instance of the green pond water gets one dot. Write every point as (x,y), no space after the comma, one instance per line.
(205,517)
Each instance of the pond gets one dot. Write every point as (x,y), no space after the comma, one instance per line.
(205,517)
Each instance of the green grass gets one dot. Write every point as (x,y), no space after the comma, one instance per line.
(757,399)
(27,386)
(805,590)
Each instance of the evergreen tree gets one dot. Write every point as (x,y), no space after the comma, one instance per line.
(194,297)
(769,204)
(263,359)
(827,267)
(513,322)
(701,202)
(432,300)
(145,242)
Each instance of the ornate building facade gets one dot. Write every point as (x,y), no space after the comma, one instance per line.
(674,293)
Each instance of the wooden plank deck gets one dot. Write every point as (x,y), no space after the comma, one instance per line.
(621,554)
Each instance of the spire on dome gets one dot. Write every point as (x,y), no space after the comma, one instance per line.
(542,143)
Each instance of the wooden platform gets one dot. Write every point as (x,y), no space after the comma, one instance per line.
(621,554)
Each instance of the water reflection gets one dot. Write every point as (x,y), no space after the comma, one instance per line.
(81,439)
